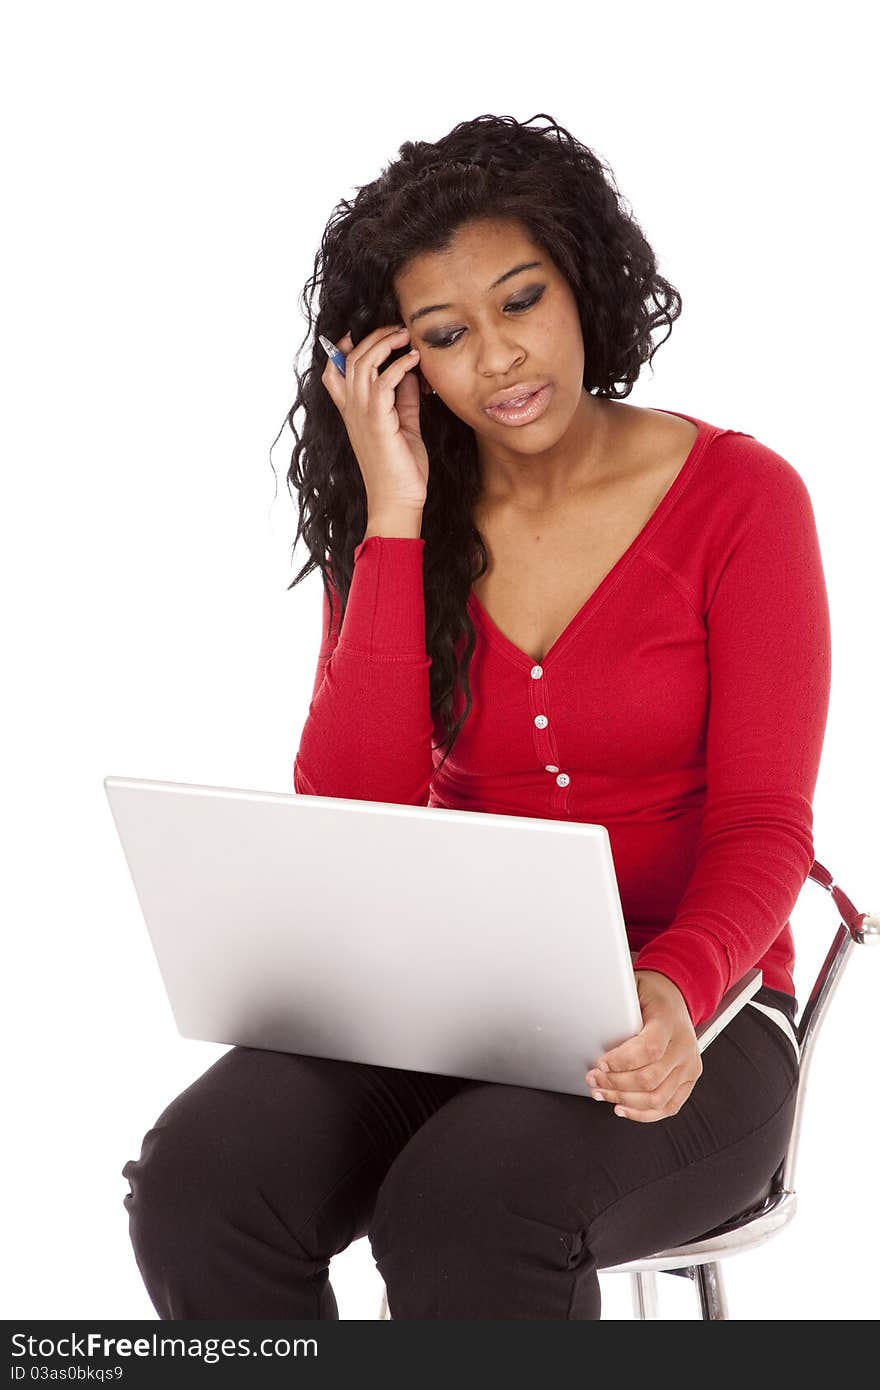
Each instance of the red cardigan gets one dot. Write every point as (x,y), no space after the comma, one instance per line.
(683,708)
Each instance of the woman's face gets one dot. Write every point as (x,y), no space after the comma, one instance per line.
(488,337)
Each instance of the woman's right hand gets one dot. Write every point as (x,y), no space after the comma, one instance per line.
(381,415)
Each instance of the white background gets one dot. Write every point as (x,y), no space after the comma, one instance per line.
(168,170)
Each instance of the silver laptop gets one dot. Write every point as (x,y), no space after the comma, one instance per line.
(462,943)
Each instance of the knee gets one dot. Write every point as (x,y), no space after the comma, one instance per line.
(428,1200)
(179,1175)
(160,1182)
(467,1237)
(455,1199)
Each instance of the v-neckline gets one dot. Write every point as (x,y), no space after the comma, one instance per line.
(509,648)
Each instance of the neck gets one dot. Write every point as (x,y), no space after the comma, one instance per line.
(543,481)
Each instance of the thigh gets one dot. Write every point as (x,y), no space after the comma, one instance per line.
(308,1137)
(550,1180)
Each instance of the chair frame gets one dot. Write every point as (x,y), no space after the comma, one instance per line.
(700,1260)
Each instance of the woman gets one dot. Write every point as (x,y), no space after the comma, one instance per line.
(595,611)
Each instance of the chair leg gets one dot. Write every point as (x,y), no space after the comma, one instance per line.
(710,1291)
(644,1294)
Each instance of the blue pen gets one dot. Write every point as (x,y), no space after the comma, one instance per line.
(332,351)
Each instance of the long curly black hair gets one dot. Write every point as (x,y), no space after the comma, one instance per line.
(568,200)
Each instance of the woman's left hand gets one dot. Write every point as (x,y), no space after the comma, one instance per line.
(651,1075)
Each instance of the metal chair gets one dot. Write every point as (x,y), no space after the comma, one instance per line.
(700,1259)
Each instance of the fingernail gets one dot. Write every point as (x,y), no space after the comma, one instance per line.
(597,1095)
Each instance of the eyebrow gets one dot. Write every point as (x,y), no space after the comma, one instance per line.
(516,270)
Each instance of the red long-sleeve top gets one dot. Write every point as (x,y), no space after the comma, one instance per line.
(683,708)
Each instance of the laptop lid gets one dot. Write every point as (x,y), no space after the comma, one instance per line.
(455,942)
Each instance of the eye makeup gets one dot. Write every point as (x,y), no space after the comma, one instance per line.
(518,305)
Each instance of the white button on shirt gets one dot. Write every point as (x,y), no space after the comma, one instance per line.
(541,722)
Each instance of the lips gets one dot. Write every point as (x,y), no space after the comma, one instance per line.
(533,406)
(515,395)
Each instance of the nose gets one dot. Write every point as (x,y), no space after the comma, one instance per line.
(498,357)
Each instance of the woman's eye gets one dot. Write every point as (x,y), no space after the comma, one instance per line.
(517,305)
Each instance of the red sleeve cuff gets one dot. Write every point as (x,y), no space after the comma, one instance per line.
(694,962)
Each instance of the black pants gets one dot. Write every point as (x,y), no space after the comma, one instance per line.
(479,1200)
